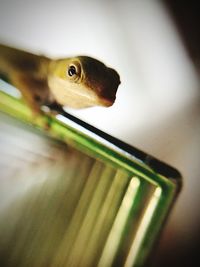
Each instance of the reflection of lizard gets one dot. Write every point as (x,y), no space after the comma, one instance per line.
(76,82)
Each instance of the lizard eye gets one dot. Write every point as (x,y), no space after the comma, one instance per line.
(72,70)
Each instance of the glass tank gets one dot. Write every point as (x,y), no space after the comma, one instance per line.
(72,195)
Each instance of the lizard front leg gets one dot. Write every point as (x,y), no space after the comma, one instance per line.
(35,91)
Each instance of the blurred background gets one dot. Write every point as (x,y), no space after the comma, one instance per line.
(155,47)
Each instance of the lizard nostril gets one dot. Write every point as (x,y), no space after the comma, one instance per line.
(37,98)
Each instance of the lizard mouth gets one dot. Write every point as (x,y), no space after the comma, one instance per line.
(77,95)
(107,102)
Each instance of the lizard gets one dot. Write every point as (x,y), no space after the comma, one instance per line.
(77,82)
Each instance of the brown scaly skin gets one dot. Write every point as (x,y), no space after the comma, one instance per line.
(77,82)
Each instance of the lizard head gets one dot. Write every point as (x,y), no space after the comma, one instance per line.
(83,81)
